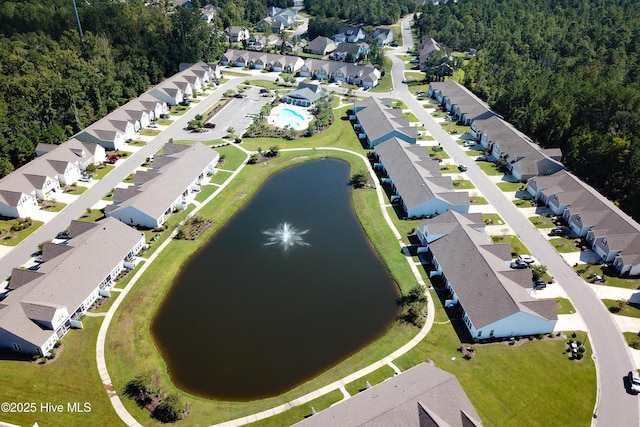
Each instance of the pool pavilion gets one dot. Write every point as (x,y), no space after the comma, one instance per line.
(305,95)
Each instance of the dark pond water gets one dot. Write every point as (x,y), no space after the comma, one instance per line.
(246,320)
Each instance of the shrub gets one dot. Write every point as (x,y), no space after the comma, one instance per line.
(52,354)
(579,356)
(57,344)
(43,361)
(169,410)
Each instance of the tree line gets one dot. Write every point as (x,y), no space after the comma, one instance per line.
(361,12)
(565,72)
(55,83)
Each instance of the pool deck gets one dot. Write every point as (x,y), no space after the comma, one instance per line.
(306,116)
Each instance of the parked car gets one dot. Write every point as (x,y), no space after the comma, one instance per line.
(112,159)
(634,382)
(210,125)
(153,125)
(34,267)
(38,259)
(185,103)
(164,116)
(404,81)
(438,159)
(481,159)
(557,232)
(85,178)
(518,264)
(539,284)
(462,168)
(64,234)
(469,143)
(239,95)
(237,140)
(527,258)
(263,90)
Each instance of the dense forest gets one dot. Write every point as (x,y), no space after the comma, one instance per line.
(361,12)
(565,72)
(54,83)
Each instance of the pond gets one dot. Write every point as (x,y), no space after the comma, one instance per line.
(251,317)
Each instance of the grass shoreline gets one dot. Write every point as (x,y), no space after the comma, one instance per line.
(137,352)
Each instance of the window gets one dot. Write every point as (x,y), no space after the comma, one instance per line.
(17,347)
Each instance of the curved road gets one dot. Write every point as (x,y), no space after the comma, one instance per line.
(614,406)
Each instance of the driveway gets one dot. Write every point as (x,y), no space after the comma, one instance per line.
(54,222)
(614,407)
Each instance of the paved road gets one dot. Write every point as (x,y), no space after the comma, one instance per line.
(21,253)
(615,407)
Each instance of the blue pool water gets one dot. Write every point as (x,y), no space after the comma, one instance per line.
(291,118)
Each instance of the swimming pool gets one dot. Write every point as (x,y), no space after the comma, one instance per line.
(287,115)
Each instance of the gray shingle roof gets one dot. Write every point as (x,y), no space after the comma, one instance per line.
(416,185)
(421,396)
(67,279)
(179,169)
(487,289)
(378,121)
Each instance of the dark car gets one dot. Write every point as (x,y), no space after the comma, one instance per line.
(634,382)
(237,140)
(239,95)
(263,90)
(518,264)
(557,232)
(185,103)
(210,125)
(539,284)
(164,116)
(64,234)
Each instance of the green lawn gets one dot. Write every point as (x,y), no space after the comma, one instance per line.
(235,73)
(510,186)
(136,142)
(564,245)
(633,339)
(558,391)
(463,184)
(269,84)
(340,135)
(416,76)
(164,122)
(565,306)
(626,308)
(611,278)
(438,151)
(220,177)
(489,168)
(76,190)
(52,206)
(419,87)
(233,157)
(101,171)
(448,169)
(384,84)
(375,377)
(412,117)
(542,221)
(492,219)
(453,128)
(520,203)
(478,200)
(517,247)
(207,190)
(72,377)
(178,110)
(298,413)
(150,132)
(12,238)
(91,215)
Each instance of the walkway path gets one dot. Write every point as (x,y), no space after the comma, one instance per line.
(122,412)
(388,360)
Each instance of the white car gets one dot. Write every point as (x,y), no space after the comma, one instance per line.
(153,125)
(85,178)
(527,258)
(462,168)
(634,382)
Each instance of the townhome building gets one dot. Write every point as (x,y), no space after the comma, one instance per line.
(170,184)
(377,122)
(40,306)
(492,299)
